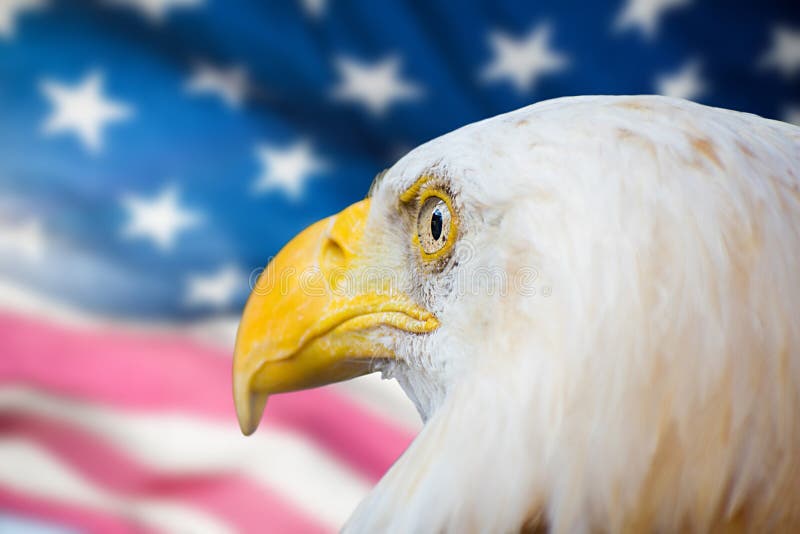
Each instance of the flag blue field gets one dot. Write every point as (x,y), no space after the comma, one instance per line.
(155,153)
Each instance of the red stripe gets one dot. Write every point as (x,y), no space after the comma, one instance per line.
(238,501)
(63,514)
(167,372)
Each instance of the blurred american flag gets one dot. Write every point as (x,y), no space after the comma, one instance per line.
(153,153)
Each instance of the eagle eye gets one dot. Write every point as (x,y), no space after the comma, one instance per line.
(433,225)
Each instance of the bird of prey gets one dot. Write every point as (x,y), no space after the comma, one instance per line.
(594,304)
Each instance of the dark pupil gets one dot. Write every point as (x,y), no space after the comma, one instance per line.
(436,224)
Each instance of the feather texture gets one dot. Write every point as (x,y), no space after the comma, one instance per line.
(632,361)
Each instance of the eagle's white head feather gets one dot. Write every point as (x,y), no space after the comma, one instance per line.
(617,322)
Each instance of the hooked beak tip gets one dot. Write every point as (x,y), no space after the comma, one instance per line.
(249,405)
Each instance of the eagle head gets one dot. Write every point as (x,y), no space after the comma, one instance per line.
(593,303)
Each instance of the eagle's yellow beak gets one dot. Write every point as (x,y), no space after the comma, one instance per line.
(309,320)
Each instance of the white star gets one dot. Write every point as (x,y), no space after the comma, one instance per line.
(287,168)
(685,83)
(792,115)
(155,10)
(159,219)
(314,8)
(26,239)
(784,55)
(230,84)
(523,61)
(645,14)
(375,86)
(82,110)
(11,9)
(218,289)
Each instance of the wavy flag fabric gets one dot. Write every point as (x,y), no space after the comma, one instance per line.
(155,153)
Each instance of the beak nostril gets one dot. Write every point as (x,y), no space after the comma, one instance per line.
(332,255)
(333,261)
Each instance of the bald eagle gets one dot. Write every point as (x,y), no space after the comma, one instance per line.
(594,304)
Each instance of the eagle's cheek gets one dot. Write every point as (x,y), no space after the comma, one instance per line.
(312,316)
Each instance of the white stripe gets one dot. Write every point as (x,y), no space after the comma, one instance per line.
(29,469)
(28,525)
(218,332)
(282,461)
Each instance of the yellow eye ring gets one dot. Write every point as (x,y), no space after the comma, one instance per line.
(436,225)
